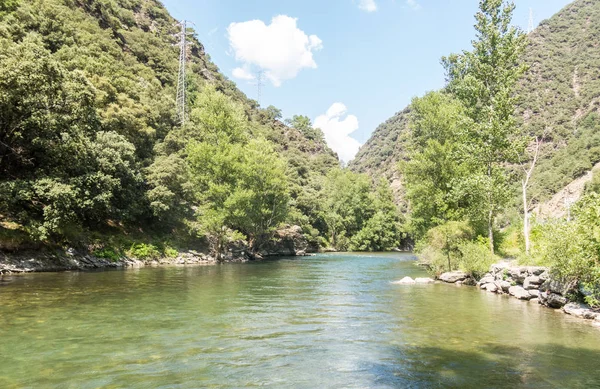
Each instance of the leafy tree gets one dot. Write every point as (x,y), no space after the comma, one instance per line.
(485,81)
(433,166)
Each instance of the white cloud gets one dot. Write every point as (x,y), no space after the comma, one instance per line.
(367,5)
(337,131)
(243,74)
(281,49)
(413,4)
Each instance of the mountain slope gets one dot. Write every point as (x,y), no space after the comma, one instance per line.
(560,100)
(87,102)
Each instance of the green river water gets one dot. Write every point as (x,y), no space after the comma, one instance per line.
(329,321)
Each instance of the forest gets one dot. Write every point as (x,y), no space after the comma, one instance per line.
(93,156)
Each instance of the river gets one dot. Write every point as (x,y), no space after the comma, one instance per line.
(329,321)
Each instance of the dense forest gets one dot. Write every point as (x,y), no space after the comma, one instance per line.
(92,154)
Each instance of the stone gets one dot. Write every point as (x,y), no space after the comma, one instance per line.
(454,276)
(491,287)
(424,280)
(518,274)
(558,286)
(534,292)
(487,280)
(405,281)
(499,267)
(534,301)
(519,292)
(532,282)
(553,300)
(536,270)
(581,310)
(544,276)
(505,285)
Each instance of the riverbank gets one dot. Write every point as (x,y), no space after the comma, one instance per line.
(532,284)
(287,242)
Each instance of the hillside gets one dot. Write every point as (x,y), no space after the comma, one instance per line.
(560,100)
(89,140)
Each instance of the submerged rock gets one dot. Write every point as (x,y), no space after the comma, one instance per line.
(424,280)
(519,292)
(405,281)
(454,276)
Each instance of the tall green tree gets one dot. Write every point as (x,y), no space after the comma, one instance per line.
(433,166)
(484,80)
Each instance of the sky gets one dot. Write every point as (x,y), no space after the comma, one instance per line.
(348,65)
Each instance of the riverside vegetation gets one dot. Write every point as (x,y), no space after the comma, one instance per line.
(469,163)
(92,156)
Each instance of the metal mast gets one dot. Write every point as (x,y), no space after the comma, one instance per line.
(180,99)
(531,26)
(259,85)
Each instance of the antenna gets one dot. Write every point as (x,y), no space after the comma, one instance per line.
(181,80)
(259,85)
(531,26)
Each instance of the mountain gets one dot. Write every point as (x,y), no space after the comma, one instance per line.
(560,102)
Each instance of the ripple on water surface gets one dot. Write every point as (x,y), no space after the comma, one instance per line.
(330,321)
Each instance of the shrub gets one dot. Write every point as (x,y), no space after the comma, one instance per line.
(144,251)
(475,258)
(107,253)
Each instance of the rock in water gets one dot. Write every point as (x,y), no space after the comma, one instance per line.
(453,276)
(519,293)
(553,300)
(491,287)
(532,282)
(424,280)
(580,310)
(405,281)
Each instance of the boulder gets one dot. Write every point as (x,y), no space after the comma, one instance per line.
(532,282)
(581,310)
(558,286)
(544,276)
(287,241)
(553,300)
(534,292)
(453,276)
(424,280)
(405,281)
(499,267)
(519,292)
(535,300)
(491,287)
(486,280)
(536,270)
(505,285)
(518,274)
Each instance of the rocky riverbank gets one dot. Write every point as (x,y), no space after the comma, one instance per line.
(529,283)
(288,241)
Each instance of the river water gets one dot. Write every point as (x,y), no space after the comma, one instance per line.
(330,321)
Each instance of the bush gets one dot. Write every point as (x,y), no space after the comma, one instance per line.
(144,251)
(572,249)
(475,258)
(107,253)
(443,242)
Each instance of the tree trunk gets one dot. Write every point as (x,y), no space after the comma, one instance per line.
(525,219)
(491,230)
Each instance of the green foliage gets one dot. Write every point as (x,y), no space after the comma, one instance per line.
(572,249)
(475,258)
(144,251)
(108,253)
(89,140)
(433,165)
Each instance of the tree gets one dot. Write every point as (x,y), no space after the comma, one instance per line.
(432,167)
(527,173)
(484,80)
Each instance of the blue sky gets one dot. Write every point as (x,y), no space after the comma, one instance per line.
(347,64)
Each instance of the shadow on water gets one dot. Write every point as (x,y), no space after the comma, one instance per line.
(488,366)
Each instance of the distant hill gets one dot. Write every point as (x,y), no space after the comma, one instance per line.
(560,100)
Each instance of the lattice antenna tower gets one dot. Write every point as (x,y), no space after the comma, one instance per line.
(181,101)
(531,26)
(259,85)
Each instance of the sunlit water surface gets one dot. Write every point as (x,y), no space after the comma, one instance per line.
(330,321)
